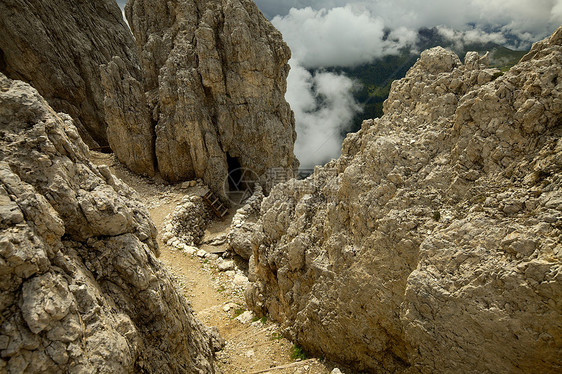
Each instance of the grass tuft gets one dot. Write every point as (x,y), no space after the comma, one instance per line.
(297,353)
(238,311)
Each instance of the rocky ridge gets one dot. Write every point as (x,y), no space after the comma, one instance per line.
(200,95)
(432,245)
(215,79)
(81,289)
(58,47)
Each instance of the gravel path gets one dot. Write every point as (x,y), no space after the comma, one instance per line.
(217,297)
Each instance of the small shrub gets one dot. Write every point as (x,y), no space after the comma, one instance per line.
(263,320)
(497,74)
(297,353)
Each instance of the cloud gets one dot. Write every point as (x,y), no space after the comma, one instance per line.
(338,37)
(524,18)
(556,13)
(537,17)
(324,107)
(467,37)
(272,8)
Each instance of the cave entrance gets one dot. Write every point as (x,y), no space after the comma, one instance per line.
(241,181)
(235,174)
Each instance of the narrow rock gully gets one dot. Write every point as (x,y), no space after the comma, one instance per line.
(252,345)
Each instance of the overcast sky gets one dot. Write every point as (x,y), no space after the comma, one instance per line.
(327,33)
(535,16)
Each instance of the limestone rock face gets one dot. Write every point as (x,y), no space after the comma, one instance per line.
(57,47)
(130,131)
(432,245)
(215,79)
(81,289)
(243,229)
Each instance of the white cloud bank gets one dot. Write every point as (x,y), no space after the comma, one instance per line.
(323,106)
(463,38)
(536,18)
(338,37)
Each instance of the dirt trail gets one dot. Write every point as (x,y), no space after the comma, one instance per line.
(252,347)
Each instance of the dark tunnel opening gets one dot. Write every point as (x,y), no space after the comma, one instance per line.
(235,174)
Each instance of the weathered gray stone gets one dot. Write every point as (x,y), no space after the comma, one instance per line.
(81,289)
(243,229)
(416,251)
(130,132)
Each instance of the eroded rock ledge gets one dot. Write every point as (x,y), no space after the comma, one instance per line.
(433,244)
(80,287)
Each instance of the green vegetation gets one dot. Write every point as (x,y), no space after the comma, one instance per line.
(238,311)
(374,79)
(504,58)
(276,336)
(297,353)
(263,319)
(497,75)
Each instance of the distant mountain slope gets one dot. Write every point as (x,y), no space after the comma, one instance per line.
(375,78)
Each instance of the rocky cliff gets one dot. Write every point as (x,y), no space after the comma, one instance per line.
(58,46)
(80,287)
(432,245)
(215,79)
